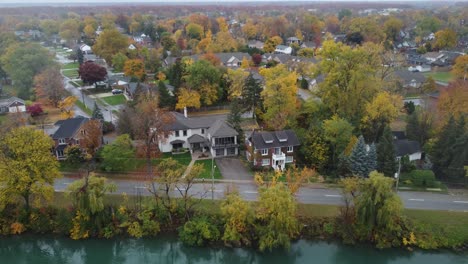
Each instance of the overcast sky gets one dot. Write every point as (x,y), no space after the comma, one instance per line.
(167,1)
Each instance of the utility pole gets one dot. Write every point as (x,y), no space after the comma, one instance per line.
(397,175)
(212,177)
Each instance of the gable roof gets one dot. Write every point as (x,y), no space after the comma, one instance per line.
(181,122)
(221,129)
(67,128)
(262,139)
(6,102)
(408,76)
(406,147)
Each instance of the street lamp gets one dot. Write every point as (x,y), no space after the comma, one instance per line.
(212,177)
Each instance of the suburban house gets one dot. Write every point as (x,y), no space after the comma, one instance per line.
(293,40)
(283,49)
(228,59)
(271,149)
(420,68)
(12,105)
(204,133)
(66,133)
(85,49)
(405,147)
(410,79)
(255,44)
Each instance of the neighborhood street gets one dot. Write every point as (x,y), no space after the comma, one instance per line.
(306,195)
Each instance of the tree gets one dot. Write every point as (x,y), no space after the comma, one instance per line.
(118,61)
(372,158)
(338,132)
(429,86)
(92,138)
(166,100)
(22,62)
(125,119)
(109,43)
(135,69)
(49,86)
(344,13)
(27,168)
(251,94)
(276,220)
(97,113)
(452,100)
(427,25)
(271,43)
(74,155)
(256,59)
(119,156)
(35,109)
(392,28)
(238,217)
(70,30)
(445,39)
(66,107)
(380,112)
(194,31)
(386,156)
(188,98)
(359,162)
(79,56)
(367,28)
(91,72)
(460,68)
(279,96)
(237,80)
(419,126)
(315,149)
(204,78)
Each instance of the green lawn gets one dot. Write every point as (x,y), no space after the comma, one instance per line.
(184,158)
(3,118)
(115,99)
(72,74)
(207,172)
(440,76)
(83,107)
(69,66)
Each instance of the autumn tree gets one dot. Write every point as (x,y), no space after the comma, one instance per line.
(194,31)
(92,137)
(453,101)
(271,43)
(460,68)
(237,80)
(239,217)
(135,69)
(109,43)
(338,132)
(392,28)
(419,126)
(188,98)
(445,39)
(279,96)
(367,28)
(70,30)
(66,107)
(91,72)
(120,155)
(204,78)
(49,86)
(27,168)
(380,112)
(118,61)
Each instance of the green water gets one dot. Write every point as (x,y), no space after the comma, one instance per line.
(35,249)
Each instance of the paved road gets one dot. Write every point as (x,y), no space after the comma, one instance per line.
(413,200)
(233,169)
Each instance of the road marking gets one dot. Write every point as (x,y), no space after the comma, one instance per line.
(250,192)
(461,202)
(332,195)
(140,187)
(417,200)
(66,183)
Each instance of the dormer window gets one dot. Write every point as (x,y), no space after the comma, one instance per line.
(62,141)
(264,152)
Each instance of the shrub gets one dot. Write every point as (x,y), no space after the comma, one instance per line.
(420,178)
(198,232)
(108,127)
(35,110)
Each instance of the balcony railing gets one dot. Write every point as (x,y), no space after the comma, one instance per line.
(218,146)
(279,156)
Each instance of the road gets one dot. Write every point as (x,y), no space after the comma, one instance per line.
(306,195)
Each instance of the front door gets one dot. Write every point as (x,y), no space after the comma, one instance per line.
(196,146)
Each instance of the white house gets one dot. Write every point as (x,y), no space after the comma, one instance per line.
(12,105)
(410,148)
(204,133)
(131,47)
(283,49)
(85,49)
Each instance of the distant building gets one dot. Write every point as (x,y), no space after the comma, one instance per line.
(283,49)
(12,105)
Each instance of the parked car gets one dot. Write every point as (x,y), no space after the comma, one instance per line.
(117,91)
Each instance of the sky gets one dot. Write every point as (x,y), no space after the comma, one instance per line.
(166,1)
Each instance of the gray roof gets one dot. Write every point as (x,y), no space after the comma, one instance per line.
(221,129)
(177,141)
(260,139)
(408,76)
(67,128)
(406,147)
(181,122)
(196,139)
(5,102)
(223,57)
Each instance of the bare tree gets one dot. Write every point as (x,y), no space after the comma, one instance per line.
(49,86)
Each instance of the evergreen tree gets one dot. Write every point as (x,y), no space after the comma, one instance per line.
(97,114)
(358,159)
(386,156)
(175,74)
(251,94)
(419,126)
(371,159)
(79,56)
(166,100)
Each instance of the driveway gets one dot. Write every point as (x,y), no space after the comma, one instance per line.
(233,169)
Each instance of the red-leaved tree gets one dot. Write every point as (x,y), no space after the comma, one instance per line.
(35,110)
(257,59)
(91,72)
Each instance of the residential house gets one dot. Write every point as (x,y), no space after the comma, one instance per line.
(12,105)
(420,68)
(410,79)
(228,59)
(256,44)
(85,49)
(308,44)
(293,40)
(67,133)
(204,133)
(271,149)
(283,49)
(409,148)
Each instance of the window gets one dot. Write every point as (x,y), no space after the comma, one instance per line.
(203,131)
(290,149)
(264,152)
(62,141)
(77,141)
(185,133)
(83,132)
(60,153)
(224,141)
(277,151)
(289,159)
(231,151)
(265,162)
(220,152)
(177,133)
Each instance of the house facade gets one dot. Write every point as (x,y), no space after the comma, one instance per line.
(69,132)
(12,105)
(205,134)
(271,149)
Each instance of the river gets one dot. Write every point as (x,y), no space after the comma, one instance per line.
(165,249)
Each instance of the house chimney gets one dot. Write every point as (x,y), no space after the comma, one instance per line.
(185,111)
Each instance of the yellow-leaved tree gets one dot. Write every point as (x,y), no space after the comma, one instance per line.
(66,107)
(188,98)
(380,112)
(236,82)
(279,96)
(27,168)
(135,68)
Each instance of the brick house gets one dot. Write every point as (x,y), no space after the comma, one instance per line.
(271,149)
(67,133)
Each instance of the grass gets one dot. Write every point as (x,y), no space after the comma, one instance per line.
(207,172)
(72,74)
(184,158)
(115,99)
(69,66)
(440,76)
(83,107)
